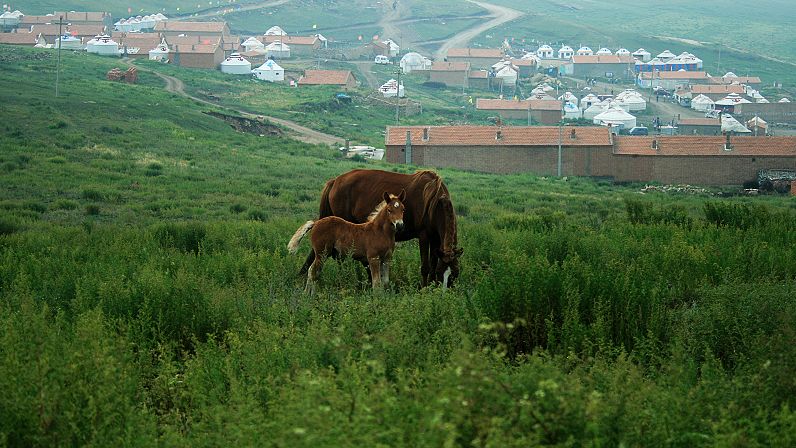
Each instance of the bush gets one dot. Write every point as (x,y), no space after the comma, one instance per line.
(258,215)
(237,208)
(92,209)
(92,194)
(9,225)
(642,212)
(185,236)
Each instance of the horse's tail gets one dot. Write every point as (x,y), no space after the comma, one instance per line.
(292,246)
(325,208)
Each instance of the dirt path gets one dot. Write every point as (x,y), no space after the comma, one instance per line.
(500,15)
(299,132)
(366,68)
(213,12)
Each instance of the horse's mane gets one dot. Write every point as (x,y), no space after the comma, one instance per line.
(436,199)
(376,211)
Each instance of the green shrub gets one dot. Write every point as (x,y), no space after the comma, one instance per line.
(92,209)
(257,215)
(93,194)
(185,236)
(237,208)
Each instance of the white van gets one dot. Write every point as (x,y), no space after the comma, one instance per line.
(381,59)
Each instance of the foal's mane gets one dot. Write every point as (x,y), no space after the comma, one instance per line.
(376,211)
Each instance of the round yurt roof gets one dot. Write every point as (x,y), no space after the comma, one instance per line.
(594,109)
(614,114)
(585,50)
(623,51)
(412,58)
(641,51)
(278,45)
(666,54)
(545,47)
(269,65)
(763,101)
(566,48)
(784,100)
(730,124)
(730,75)
(235,59)
(731,100)
(604,51)
(275,31)
(701,99)
(252,41)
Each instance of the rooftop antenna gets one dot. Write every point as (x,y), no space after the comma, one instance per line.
(60,44)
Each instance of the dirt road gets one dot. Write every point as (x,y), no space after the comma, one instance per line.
(213,12)
(499,14)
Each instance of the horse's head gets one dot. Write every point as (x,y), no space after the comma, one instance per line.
(448,266)
(394,206)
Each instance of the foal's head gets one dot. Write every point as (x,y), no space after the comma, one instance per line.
(394,209)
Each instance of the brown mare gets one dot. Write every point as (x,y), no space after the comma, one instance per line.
(429,215)
(371,243)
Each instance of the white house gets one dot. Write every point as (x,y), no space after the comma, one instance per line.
(565,52)
(623,52)
(392,48)
(545,52)
(585,51)
(270,71)
(604,52)
(642,55)
(277,50)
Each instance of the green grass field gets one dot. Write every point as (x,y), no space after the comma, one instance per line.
(120,9)
(147,299)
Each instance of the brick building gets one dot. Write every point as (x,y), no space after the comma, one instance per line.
(589,66)
(27,39)
(452,74)
(478,58)
(197,56)
(591,151)
(770,112)
(507,109)
(503,150)
(176,28)
(671,80)
(50,31)
(70,17)
(699,126)
(546,111)
(717,92)
(143,42)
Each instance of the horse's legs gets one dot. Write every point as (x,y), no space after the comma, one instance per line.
(375,271)
(434,258)
(313,274)
(310,259)
(385,273)
(424,264)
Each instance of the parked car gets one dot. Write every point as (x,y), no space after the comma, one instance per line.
(639,130)
(381,59)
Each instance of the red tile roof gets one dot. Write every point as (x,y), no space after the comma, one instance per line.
(707,146)
(711,89)
(325,77)
(440,66)
(487,136)
(196,49)
(81,16)
(290,40)
(75,30)
(494,104)
(490,53)
(191,27)
(739,80)
(34,20)
(193,40)
(700,122)
(675,75)
(602,59)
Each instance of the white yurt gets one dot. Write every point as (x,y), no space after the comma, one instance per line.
(604,52)
(571,111)
(106,46)
(666,56)
(784,100)
(236,64)
(585,51)
(10,19)
(277,50)
(508,75)
(642,55)
(270,71)
(135,24)
(414,61)
(69,42)
(762,101)
(588,100)
(545,52)
(731,100)
(702,103)
(568,97)
(148,22)
(275,31)
(730,124)
(616,116)
(623,52)
(565,52)
(252,43)
(391,88)
(160,53)
(92,42)
(631,100)
(592,111)
(41,42)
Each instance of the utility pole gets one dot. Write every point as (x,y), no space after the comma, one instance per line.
(398,97)
(60,42)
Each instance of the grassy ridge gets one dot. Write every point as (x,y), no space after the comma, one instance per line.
(171,314)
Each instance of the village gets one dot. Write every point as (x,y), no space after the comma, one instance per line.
(666,106)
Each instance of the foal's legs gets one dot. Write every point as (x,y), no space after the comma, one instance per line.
(375,271)
(312,275)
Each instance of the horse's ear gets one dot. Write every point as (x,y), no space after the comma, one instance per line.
(402,196)
(386,197)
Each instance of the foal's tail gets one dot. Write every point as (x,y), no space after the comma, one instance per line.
(292,246)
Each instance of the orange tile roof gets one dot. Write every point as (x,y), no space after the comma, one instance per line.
(475,53)
(440,66)
(510,136)
(193,40)
(523,62)
(145,41)
(191,27)
(75,30)
(325,77)
(700,122)
(602,59)
(290,40)
(712,89)
(81,16)
(495,104)
(675,75)
(537,104)
(707,146)
(740,80)
(40,20)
